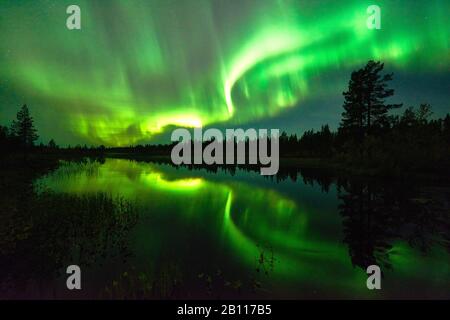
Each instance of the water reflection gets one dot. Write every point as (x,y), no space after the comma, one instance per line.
(240,235)
(376,215)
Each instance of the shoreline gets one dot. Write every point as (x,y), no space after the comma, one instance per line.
(47,161)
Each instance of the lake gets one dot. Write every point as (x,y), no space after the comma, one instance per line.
(235,234)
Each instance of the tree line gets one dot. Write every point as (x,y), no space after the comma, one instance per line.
(21,134)
(371,132)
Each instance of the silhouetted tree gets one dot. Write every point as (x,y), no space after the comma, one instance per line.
(52,144)
(424,113)
(376,92)
(22,129)
(353,118)
(364,104)
(3,134)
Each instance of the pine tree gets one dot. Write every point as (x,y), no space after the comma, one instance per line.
(364,102)
(424,113)
(4,137)
(353,120)
(3,133)
(23,128)
(376,92)
(52,144)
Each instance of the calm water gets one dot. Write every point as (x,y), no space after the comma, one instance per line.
(202,234)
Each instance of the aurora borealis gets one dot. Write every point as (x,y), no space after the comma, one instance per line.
(138,68)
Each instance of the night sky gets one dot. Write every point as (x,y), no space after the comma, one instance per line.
(137,69)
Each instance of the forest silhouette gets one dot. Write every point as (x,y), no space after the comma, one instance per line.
(373,135)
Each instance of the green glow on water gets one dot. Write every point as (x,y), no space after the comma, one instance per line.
(240,220)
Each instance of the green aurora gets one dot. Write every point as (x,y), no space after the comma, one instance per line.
(138,68)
